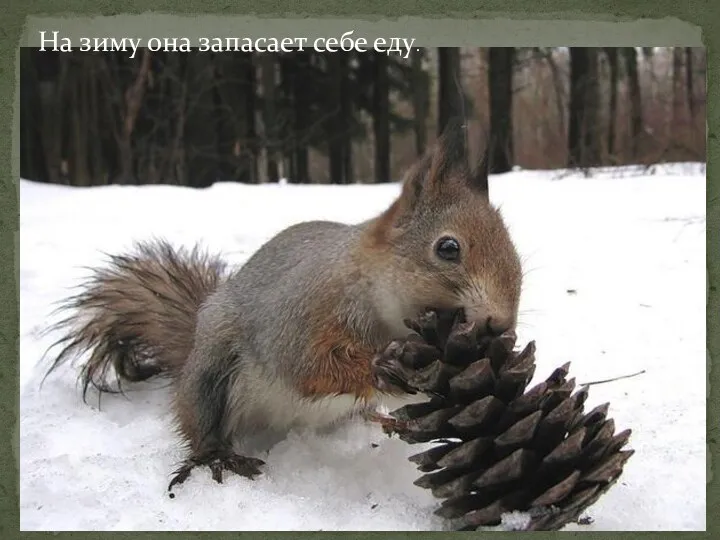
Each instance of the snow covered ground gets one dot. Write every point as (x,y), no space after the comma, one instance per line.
(615,284)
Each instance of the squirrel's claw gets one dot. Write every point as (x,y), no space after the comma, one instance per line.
(181,474)
(248,467)
(392,367)
(387,377)
(389,425)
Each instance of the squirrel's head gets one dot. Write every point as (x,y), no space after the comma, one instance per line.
(446,245)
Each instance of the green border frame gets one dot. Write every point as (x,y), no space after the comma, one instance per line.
(492,22)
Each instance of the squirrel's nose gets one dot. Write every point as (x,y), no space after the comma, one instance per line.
(494,322)
(498,325)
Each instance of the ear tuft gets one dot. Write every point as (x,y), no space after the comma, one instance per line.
(478,178)
(450,151)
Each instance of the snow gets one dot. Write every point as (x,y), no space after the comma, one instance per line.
(615,283)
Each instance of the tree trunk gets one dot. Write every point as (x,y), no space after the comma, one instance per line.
(131,92)
(225,109)
(584,135)
(98,165)
(559,90)
(678,100)
(301,170)
(201,133)
(235,112)
(249,132)
(32,159)
(500,84)
(450,98)
(578,75)
(689,88)
(381,118)
(346,112)
(286,115)
(337,126)
(52,70)
(78,158)
(176,93)
(420,100)
(636,120)
(593,131)
(335,156)
(612,56)
(267,68)
(345,116)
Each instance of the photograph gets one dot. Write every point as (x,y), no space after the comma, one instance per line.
(361,285)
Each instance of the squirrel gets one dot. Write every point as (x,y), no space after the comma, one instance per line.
(295,336)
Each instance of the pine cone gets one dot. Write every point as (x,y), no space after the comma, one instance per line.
(501,448)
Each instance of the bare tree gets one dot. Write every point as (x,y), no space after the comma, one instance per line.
(302,123)
(633,80)
(268,81)
(500,84)
(235,112)
(558,86)
(450,98)
(678,79)
(200,127)
(612,57)
(190,118)
(689,87)
(249,148)
(334,125)
(583,133)
(42,82)
(381,117)
(420,100)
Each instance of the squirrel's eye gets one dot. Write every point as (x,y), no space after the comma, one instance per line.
(448,248)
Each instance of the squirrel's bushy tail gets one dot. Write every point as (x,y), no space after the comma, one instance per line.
(137,314)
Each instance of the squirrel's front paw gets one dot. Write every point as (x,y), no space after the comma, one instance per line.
(394,366)
(218,462)
(389,425)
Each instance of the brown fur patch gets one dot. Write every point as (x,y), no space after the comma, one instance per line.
(340,364)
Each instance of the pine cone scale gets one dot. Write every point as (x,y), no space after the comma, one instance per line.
(466,454)
(557,492)
(519,434)
(472,419)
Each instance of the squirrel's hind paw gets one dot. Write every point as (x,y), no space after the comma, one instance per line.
(218,462)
